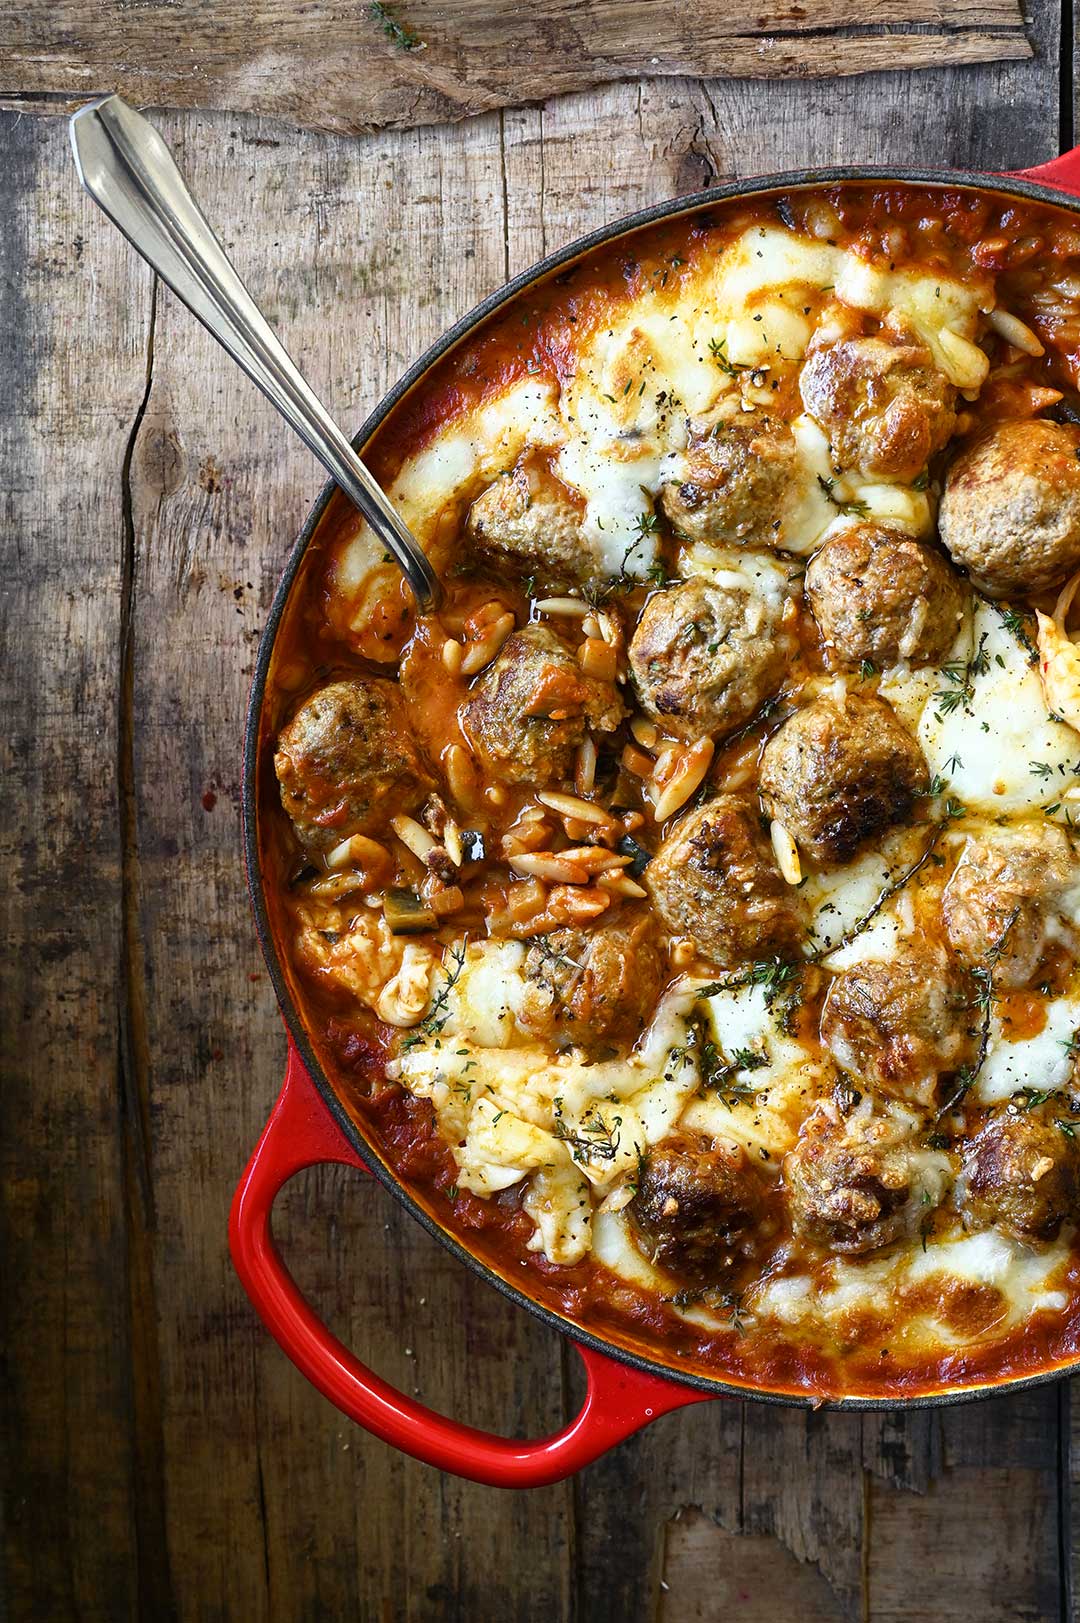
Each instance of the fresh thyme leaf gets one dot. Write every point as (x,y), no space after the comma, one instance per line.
(394,30)
(892,889)
(853,509)
(983,975)
(595,1140)
(439,1013)
(718,351)
(1029,1098)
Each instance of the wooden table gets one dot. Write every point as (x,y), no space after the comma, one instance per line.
(162,1457)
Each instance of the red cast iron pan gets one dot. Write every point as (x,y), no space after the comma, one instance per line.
(310,1124)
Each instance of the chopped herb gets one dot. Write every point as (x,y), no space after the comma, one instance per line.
(890,890)
(718,351)
(1016,622)
(596,1139)
(854,509)
(394,30)
(439,1013)
(1029,1098)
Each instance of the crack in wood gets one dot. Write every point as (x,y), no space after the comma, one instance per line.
(154,1584)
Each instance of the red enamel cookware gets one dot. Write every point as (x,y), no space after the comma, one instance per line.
(310,1123)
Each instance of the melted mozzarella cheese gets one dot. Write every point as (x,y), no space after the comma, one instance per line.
(895,1284)
(1043,1062)
(558,1202)
(985,729)
(744,1022)
(760,574)
(838,900)
(510,1108)
(485,995)
(618,478)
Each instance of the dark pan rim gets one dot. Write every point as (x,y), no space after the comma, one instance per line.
(789,180)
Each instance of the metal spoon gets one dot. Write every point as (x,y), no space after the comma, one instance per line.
(129,172)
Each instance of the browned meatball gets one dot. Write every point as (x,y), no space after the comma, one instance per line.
(879,594)
(900,1023)
(699,1206)
(705,657)
(530,710)
(854,1186)
(1010,513)
(883,403)
(530,519)
(740,473)
(593,984)
(347,762)
(838,771)
(1004,894)
(1022,1174)
(714,880)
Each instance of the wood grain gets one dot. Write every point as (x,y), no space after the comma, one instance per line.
(161,1457)
(347,70)
(80,1489)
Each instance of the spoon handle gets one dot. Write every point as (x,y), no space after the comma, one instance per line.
(129,172)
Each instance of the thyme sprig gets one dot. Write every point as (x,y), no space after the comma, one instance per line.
(393,29)
(985,997)
(439,1013)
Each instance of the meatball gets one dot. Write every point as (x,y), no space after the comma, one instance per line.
(1010,513)
(878,594)
(347,761)
(704,657)
(856,1185)
(531,709)
(839,770)
(1022,1174)
(530,519)
(883,403)
(698,1206)
(741,473)
(590,984)
(898,1024)
(1005,893)
(714,880)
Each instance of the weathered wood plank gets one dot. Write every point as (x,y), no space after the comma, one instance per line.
(82,1534)
(428,61)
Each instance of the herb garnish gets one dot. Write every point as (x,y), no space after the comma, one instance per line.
(439,1013)
(394,30)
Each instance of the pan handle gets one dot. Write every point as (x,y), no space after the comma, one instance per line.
(618,1400)
(1063,173)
